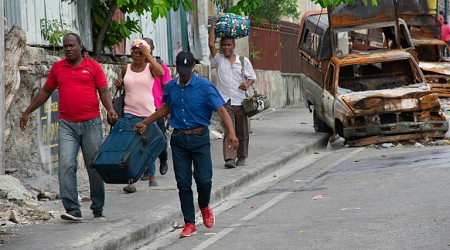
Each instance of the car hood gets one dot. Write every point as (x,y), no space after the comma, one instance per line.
(390,100)
(436,67)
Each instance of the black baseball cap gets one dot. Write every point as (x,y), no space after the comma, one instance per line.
(184,62)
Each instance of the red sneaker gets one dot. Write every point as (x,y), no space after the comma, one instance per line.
(188,230)
(208,216)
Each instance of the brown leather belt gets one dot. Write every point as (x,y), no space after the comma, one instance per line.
(195,131)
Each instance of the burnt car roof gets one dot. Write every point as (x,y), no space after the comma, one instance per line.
(360,13)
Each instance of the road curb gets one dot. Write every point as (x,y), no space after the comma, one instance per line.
(138,231)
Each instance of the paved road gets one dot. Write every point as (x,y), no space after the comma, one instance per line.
(391,198)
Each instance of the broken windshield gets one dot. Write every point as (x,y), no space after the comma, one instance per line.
(376,76)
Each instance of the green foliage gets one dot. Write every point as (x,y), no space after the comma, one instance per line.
(254,53)
(118,31)
(245,6)
(334,3)
(53,31)
(271,10)
(221,4)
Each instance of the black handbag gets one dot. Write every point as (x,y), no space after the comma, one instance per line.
(118,103)
(255,104)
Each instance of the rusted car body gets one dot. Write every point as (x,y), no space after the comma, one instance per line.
(381,97)
(421,16)
(362,88)
(435,67)
(425,30)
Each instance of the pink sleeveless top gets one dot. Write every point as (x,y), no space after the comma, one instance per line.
(139,99)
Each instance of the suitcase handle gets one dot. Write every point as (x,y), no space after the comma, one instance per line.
(122,163)
(144,140)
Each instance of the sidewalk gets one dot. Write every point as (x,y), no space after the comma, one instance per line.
(133,219)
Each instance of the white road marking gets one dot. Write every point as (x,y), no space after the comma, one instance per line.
(262,184)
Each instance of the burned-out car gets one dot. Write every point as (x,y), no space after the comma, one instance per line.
(360,78)
(435,67)
(425,29)
(375,97)
(382,97)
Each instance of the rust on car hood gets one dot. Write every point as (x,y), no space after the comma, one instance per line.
(389,100)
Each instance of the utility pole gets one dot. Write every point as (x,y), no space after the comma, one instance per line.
(2,90)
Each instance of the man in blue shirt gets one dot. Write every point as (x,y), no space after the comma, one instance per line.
(191,101)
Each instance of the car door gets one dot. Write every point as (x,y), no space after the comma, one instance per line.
(328,97)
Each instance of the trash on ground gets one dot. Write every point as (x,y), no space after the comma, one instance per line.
(320,197)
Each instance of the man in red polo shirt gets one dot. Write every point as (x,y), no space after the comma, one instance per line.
(78,80)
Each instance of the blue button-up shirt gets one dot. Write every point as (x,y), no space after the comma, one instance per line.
(191,106)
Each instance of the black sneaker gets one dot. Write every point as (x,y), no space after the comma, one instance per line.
(163,167)
(130,188)
(99,215)
(240,161)
(230,163)
(73,215)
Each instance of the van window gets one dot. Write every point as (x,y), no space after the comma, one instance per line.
(310,42)
(371,38)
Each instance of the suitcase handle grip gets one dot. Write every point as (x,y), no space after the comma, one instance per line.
(144,140)
(125,160)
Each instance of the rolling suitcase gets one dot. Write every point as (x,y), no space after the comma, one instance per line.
(125,154)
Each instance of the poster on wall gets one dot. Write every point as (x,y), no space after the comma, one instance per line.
(48,134)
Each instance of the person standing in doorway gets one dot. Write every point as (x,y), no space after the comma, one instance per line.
(191,100)
(78,80)
(232,83)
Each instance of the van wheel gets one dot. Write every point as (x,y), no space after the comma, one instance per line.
(319,125)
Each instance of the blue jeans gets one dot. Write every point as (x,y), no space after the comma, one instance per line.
(188,150)
(152,166)
(71,136)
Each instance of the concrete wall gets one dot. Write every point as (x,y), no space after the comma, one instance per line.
(283,90)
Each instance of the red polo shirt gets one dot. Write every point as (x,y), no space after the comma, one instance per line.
(77,87)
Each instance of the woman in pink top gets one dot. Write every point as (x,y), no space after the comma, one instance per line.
(158,89)
(138,80)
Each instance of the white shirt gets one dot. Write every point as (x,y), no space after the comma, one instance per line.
(229,77)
